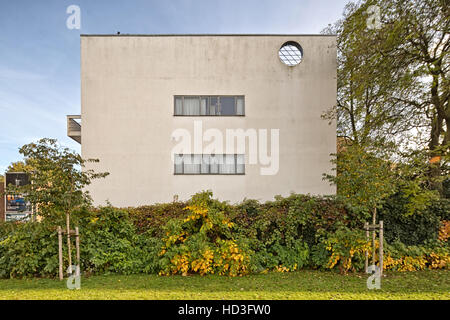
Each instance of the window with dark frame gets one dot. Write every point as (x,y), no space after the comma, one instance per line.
(226,164)
(209,106)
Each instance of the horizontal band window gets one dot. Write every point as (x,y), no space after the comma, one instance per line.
(209,164)
(209,106)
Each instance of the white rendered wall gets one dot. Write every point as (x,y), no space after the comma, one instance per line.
(128,85)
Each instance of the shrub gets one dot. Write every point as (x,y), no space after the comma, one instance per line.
(205,236)
(202,242)
(110,243)
(319,256)
(400,257)
(281,232)
(28,249)
(152,219)
(347,248)
(413,229)
(444,232)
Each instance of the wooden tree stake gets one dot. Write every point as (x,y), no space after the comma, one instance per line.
(77,244)
(381,247)
(366,262)
(69,251)
(60,253)
(373,228)
(374,219)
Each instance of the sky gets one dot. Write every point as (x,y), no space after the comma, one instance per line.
(40,56)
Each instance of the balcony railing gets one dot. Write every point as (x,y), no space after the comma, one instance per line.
(74,127)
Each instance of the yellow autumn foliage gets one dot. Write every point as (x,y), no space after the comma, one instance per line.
(192,251)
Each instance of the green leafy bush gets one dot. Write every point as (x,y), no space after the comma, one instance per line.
(415,229)
(347,248)
(319,256)
(431,255)
(298,231)
(292,257)
(152,219)
(281,232)
(110,243)
(28,249)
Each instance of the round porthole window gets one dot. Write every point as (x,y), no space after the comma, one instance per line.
(291,53)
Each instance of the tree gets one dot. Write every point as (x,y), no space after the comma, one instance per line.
(363,180)
(19,166)
(393,80)
(57,178)
(416,36)
(365,83)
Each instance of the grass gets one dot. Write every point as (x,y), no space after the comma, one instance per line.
(430,284)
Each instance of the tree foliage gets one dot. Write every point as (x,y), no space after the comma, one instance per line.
(19,166)
(57,177)
(393,80)
(363,179)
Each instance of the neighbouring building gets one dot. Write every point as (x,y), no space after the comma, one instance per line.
(171,115)
(14,207)
(2,202)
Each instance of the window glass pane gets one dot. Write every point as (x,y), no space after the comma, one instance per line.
(187,163)
(205,163)
(215,163)
(240,165)
(228,166)
(209,164)
(178,159)
(227,106)
(191,106)
(214,106)
(191,164)
(240,106)
(209,105)
(197,162)
(203,105)
(178,106)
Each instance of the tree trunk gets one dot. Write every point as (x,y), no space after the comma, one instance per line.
(435,169)
(437,126)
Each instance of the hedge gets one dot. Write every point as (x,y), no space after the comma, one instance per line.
(204,235)
(415,229)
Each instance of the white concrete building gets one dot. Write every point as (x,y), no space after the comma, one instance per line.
(146,98)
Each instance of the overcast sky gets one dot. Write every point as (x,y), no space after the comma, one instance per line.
(40,56)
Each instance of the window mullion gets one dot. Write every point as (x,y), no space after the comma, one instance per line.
(217,106)
(182,163)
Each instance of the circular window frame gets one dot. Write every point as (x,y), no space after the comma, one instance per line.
(290,60)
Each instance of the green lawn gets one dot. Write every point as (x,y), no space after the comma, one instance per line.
(296,285)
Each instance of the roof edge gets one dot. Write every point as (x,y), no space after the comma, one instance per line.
(208,35)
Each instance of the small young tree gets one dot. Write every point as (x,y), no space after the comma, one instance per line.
(363,180)
(57,178)
(366,178)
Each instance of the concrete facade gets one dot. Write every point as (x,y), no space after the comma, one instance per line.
(128,84)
